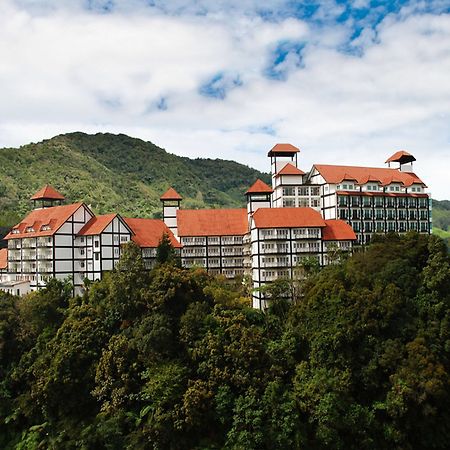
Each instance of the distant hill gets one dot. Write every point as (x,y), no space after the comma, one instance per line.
(116,173)
(441,219)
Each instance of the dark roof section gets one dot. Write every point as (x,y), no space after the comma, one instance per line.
(402,157)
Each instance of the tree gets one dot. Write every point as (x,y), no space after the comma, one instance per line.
(165,251)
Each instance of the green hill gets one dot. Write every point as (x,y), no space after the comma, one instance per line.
(116,173)
(441,219)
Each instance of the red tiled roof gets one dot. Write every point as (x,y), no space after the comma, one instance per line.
(47,193)
(259,187)
(212,222)
(338,230)
(287,218)
(148,232)
(53,217)
(283,149)
(337,174)
(3,258)
(96,225)
(171,194)
(401,155)
(290,169)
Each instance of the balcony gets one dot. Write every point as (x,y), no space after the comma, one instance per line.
(275,250)
(274,265)
(14,244)
(29,255)
(45,268)
(44,242)
(306,249)
(28,243)
(44,254)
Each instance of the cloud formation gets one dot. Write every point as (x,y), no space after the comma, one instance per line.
(347,83)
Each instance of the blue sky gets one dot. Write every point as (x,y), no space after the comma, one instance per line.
(347,81)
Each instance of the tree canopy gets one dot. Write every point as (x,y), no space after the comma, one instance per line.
(176,359)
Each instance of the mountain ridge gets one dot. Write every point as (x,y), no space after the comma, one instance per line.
(116,173)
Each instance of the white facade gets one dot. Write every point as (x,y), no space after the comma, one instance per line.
(333,206)
(58,247)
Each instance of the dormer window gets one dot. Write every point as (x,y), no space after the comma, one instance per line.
(45,228)
(15,231)
(29,230)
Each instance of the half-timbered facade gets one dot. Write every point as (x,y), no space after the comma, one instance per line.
(314,214)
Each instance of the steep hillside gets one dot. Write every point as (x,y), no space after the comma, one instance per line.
(116,173)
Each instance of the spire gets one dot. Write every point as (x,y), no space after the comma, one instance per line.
(171,194)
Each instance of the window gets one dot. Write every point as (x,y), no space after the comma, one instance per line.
(82,239)
(97,256)
(82,264)
(81,251)
(289,191)
(96,244)
(123,238)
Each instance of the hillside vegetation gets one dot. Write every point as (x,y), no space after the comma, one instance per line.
(116,173)
(441,219)
(175,359)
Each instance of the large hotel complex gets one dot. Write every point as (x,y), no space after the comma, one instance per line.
(302,215)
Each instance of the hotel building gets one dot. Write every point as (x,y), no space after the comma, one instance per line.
(302,215)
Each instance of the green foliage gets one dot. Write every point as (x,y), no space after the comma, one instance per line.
(165,251)
(115,173)
(175,359)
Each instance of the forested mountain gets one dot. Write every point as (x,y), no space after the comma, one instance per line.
(116,173)
(176,359)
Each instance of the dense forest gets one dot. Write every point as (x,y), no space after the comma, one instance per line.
(176,359)
(116,173)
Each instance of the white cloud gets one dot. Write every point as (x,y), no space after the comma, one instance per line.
(65,69)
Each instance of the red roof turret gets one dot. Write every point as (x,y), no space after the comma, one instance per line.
(47,193)
(290,169)
(259,187)
(401,157)
(171,194)
(283,150)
